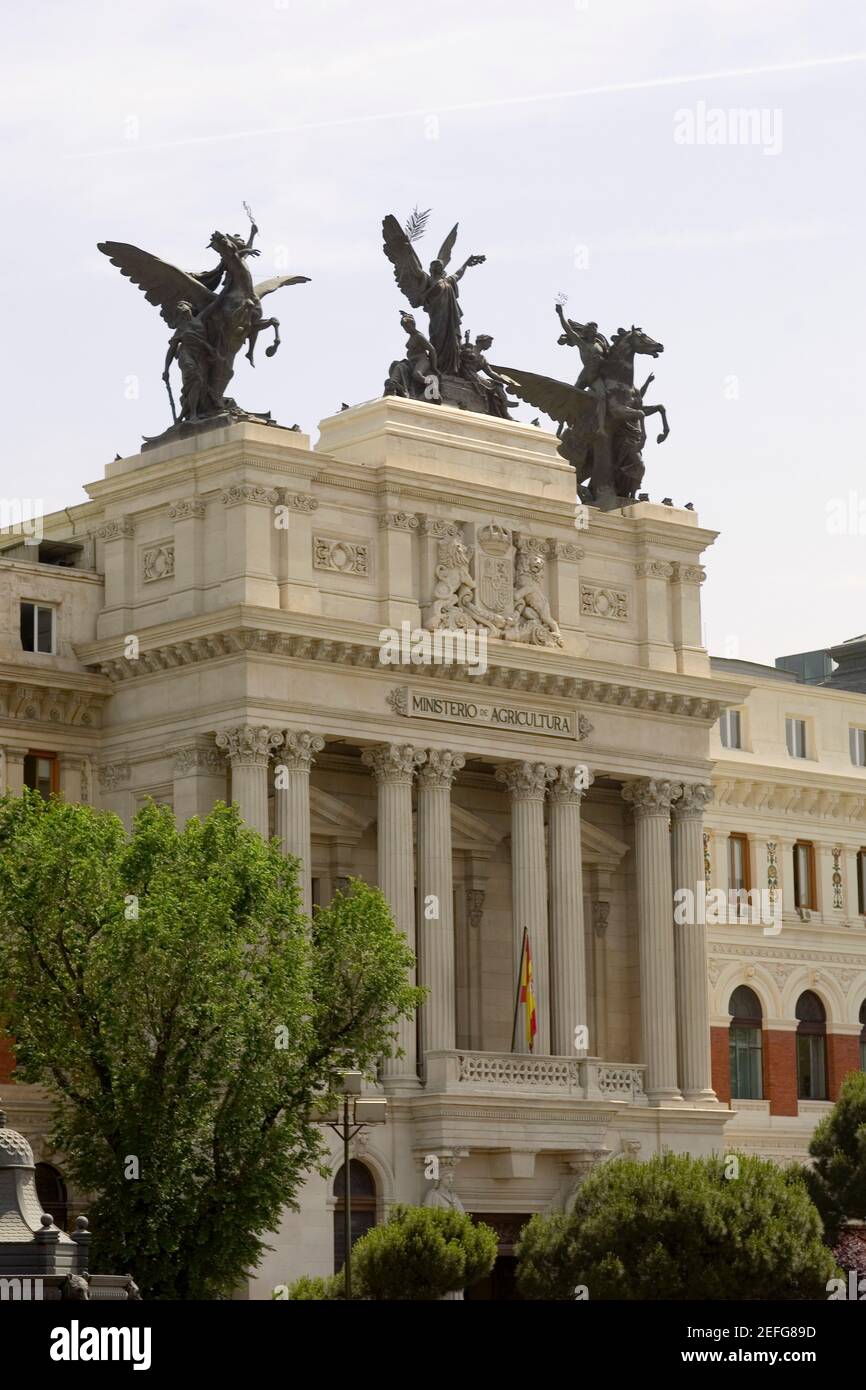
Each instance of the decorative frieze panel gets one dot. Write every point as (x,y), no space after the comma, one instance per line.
(688,574)
(653,569)
(837,876)
(186,508)
(114,775)
(116,530)
(398,521)
(341,556)
(596,601)
(157,562)
(197,758)
(245,494)
(299,501)
(50,705)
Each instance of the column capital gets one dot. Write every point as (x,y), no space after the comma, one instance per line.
(693,800)
(300,748)
(440,768)
(571,783)
(526,781)
(651,797)
(249,745)
(393,762)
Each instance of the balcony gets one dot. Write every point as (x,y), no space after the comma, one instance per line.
(514,1074)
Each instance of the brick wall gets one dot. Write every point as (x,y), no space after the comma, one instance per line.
(780,1071)
(721,1063)
(843,1055)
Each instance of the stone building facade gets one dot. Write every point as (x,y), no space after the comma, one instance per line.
(240,603)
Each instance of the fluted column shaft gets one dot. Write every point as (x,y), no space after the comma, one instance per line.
(651,801)
(690,947)
(527,783)
(248,748)
(568,1003)
(436,900)
(394,767)
(292,804)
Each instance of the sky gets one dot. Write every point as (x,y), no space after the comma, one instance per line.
(599,149)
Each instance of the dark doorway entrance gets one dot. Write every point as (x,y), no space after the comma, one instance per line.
(500,1284)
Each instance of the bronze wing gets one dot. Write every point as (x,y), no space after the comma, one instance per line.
(163,284)
(268,286)
(408,271)
(447,247)
(567,404)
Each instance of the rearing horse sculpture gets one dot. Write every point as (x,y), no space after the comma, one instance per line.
(604,448)
(212,314)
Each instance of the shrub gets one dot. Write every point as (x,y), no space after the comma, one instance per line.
(677,1228)
(837,1183)
(422,1253)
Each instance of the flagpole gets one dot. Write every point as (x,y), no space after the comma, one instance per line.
(517,995)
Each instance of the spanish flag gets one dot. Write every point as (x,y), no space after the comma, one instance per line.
(526,996)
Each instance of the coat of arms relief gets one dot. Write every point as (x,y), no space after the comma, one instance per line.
(496,585)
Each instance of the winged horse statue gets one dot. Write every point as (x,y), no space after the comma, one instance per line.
(212,313)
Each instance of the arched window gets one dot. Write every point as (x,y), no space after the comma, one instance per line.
(863,1036)
(746,1045)
(811,1047)
(51,1191)
(363,1192)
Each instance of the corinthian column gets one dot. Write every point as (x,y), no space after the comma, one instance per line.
(690,946)
(436,900)
(292,804)
(394,768)
(248,749)
(567,945)
(651,801)
(527,783)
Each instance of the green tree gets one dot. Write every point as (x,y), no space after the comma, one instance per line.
(837,1182)
(169,993)
(677,1227)
(422,1253)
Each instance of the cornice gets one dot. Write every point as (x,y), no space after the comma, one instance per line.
(242,631)
(808,796)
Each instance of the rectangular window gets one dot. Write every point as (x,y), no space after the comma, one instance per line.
(811,1067)
(804,874)
(795,737)
(861,882)
(730,729)
(37,627)
(857,742)
(40,773)
(738,862)
(747,1081)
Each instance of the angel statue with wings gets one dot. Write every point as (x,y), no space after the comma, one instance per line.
(212,313)
(434,291)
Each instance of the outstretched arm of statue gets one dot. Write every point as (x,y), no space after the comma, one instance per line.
(470,260)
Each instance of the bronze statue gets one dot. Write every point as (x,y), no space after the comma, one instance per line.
(213,314)
(436,292)
(416,375)
(601,418)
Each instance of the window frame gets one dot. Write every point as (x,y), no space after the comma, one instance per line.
(725,729)
(809,846)
(792,720)
(861,882)
(38,606)
(856,737)
(810,1033)
(55,767)
(741,838)
(752,1049)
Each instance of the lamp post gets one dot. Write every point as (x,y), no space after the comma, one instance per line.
(354,1114)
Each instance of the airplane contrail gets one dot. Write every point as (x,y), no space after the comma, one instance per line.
(647,84)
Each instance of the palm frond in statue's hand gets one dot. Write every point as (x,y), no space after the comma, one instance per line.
(416,223)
